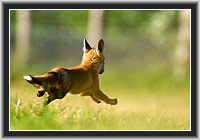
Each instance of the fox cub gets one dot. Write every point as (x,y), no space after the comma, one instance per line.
(82,79)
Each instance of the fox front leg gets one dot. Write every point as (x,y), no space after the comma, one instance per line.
(89,93)
(95,99)
(101,96)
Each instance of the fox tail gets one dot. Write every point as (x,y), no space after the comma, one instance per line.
(33,80)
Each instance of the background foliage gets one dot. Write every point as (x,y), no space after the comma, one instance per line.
(139,52)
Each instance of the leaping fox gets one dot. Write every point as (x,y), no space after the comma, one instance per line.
(82,79)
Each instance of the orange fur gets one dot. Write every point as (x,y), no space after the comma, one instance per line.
(82,79)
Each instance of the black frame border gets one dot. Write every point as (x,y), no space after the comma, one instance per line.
(8,6)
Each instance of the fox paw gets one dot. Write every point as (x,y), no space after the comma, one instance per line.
(40,93)
(98,102)
(114,101)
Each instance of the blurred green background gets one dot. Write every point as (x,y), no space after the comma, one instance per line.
(147,54)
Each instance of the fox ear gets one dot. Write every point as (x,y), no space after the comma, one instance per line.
(86,46)
(100,46)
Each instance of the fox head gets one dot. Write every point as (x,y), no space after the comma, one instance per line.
(94,56)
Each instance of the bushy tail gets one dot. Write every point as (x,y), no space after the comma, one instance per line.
(47,78)
(33,80)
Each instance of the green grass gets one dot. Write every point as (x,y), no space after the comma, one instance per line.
(33,116)
(149,99)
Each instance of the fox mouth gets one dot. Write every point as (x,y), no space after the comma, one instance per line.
(101,71)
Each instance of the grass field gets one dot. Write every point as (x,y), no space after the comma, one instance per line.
(148,99)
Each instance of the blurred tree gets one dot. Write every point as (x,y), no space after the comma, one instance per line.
(95,26)
(182,50)
(149,35)
(23,26)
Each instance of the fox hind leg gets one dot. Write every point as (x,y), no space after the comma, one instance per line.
(48,100)
(40,92)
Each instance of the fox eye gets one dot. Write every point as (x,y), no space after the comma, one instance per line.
(94,58)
